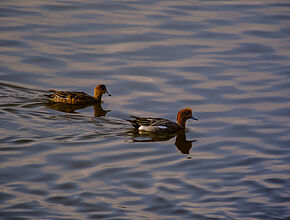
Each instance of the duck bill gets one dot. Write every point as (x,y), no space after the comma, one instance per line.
(108,93)
(194,118)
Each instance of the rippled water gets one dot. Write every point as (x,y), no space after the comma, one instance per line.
(227,60)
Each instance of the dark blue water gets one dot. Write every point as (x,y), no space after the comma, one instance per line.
(227,60)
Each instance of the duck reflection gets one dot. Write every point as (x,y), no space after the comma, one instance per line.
(181,143)
(99,111)
(69,108)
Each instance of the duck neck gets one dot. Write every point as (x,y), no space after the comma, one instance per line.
(97,95)
(181,121)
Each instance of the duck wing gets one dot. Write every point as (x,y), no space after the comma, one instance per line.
(66,94)
(79,95)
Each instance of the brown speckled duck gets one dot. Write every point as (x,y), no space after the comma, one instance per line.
(161,125)
(78,98)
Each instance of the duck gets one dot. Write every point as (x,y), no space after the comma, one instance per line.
(78,98)
(161,125)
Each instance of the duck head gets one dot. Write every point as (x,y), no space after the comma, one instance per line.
(100,90)
(183,115)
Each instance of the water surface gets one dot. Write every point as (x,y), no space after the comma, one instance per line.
(227,60)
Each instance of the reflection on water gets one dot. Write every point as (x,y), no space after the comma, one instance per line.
(68,108)
(227,60)
(181,143)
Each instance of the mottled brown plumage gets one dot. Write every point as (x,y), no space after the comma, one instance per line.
(78,98)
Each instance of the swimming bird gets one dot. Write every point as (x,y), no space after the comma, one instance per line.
(161,125)
(78,98)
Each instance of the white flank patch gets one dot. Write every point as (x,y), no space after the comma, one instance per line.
(162,127)
(143,128)
(151,128)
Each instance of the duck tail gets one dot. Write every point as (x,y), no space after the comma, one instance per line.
(134,122)
(47,95)
(50,95)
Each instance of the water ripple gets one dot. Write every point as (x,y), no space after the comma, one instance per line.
(228,61)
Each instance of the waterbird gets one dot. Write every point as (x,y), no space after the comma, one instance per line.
(161,125)
(78,98)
